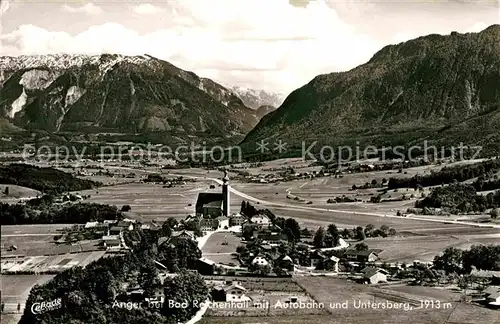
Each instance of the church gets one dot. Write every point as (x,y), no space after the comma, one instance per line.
(214,204)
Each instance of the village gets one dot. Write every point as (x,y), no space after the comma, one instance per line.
(239,249)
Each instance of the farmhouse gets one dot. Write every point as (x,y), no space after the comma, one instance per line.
(323,262)
(492,295)
(260,260)
(126,225)
(374,275)
(232,292)
(236,292)
(115,230)
(494,276)
(111,242)
(285,262)
(271,237)
(183,235)
(260,220)
(208,224)
(91,225)
(361,256)
(223,222)
(236,219)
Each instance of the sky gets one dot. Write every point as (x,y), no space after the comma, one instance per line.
(273,45)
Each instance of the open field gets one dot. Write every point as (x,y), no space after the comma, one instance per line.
(16,193)
(40,264)
(153,201)
(33,240)
(327,290)
(215,251)
(423,248)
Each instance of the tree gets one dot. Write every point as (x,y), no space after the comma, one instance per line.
(184,255)
(369,230)
(294,229)
(260,269)
(333,231)
(166,230)
(248,231)
(361,247)
(494,213)
(384,229)
(319,238)
(188,291)
(171,222)
(126,208)
(374,183)
(450,261)
(360,233)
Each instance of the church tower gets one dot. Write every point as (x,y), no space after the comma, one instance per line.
(225,195)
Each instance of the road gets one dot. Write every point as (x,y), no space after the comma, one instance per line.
(295,207)
(277,204)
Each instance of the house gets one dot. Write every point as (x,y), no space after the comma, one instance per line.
(111,242)
(206,267)
(331,263)
(126,225)
(493,276)
(209,224)
(209,204)
(229,292)
(260,220)
(236,293)
(271,237)
(110,222)
(150,227)
(115,230)
(323,262)
(223,222)
(374,275)
(237,220)
(184,235)
(492,296)
(361,256)
(91,225)
(285,262)
(260,260)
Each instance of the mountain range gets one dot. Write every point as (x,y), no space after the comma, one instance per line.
(117,94)
(262,101)
(444,89)
(441,88)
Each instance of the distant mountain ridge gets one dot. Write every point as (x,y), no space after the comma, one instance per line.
(257,98)
(445,89)
(117,93)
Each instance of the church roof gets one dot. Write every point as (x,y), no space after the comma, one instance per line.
(209,199)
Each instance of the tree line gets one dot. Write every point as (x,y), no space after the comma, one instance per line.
(80,213)
(459,198)
(47,180)
(447,175)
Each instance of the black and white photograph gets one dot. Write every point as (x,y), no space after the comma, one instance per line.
(250,161)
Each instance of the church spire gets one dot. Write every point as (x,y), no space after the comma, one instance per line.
(225,195)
